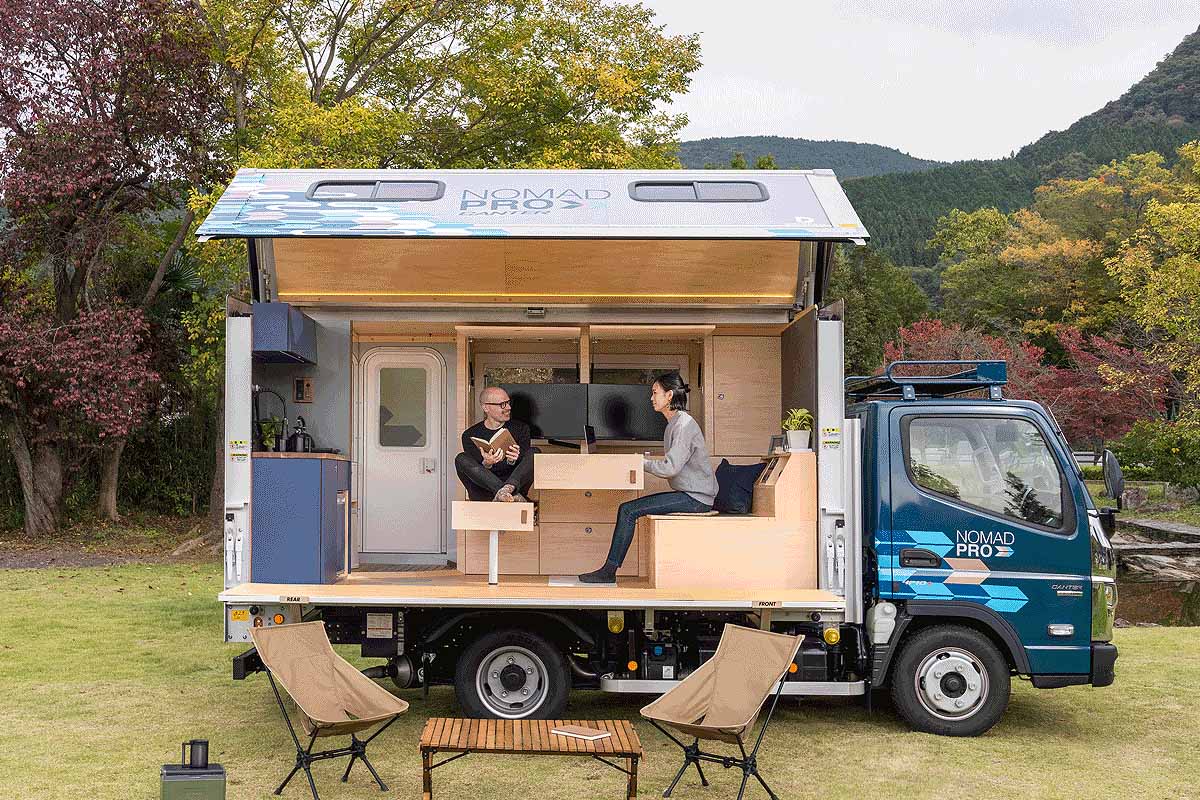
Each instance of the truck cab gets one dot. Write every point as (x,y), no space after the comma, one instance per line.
(990,558)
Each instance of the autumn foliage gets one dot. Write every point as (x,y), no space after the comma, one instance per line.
(80,382)
(1099,391)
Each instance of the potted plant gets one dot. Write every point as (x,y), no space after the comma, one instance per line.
(797,425)
(272,431)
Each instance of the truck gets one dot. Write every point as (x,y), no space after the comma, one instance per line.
(936,539)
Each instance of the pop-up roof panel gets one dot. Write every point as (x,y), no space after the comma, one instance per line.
(515,236)
(660,204)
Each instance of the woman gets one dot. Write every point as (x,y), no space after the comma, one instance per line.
(686,468)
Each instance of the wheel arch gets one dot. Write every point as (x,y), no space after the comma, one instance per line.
(921,614)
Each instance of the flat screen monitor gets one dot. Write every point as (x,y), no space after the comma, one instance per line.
(624,412)
(552,410)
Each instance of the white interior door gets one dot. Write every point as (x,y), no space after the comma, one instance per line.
(403,447)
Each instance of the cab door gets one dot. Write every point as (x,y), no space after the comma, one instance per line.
(983,512)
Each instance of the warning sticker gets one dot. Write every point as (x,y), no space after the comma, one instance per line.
(379,626)
(239,615)
(239,450)
(831,438)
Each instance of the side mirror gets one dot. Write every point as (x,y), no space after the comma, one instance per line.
(1114,479)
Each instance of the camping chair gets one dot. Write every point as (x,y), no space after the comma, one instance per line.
(333,697)
(721,700)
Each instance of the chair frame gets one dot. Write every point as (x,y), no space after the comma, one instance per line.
(357,749)
(748,763)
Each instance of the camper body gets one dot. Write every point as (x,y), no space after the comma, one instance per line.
(384,301)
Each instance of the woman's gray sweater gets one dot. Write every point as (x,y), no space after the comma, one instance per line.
(686,466)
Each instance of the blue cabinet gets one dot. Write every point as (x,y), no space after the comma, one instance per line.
(298,518)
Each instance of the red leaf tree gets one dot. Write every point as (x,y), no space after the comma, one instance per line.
(1099,393)
(66,387)
(106,111)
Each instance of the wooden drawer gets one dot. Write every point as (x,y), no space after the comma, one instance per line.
(466,515)
(569,548)
(581,505)
(592,471)
(518,552)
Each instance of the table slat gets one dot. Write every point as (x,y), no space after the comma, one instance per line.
(528,736)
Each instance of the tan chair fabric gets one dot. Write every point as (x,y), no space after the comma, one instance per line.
(334,698)
(722,698)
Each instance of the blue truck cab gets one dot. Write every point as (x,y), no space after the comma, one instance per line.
(986,556)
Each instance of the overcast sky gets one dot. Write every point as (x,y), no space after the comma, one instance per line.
(942,79)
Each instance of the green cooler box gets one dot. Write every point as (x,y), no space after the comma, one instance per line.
(195,779)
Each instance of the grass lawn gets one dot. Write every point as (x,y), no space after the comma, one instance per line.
(106,670)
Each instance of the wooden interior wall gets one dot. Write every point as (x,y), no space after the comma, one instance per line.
(746,394)
(797,363)
(667,272)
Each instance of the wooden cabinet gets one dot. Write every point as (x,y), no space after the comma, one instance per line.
(747,385)
(581,505)
(587,471)
(569,548)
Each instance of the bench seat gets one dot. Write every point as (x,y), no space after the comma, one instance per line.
(775,546)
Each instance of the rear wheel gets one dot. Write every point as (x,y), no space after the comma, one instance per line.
(950,680)
(512,674)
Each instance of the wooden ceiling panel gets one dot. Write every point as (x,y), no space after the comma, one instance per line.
(671,272)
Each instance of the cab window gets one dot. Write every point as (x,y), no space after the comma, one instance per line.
(1000,465)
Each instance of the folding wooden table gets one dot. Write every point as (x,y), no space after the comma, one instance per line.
(527,737)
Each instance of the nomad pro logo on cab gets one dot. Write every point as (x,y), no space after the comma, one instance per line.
(527,201)
(984,544)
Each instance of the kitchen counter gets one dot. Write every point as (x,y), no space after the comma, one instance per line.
(330,456)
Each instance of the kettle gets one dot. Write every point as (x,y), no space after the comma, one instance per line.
(300,441)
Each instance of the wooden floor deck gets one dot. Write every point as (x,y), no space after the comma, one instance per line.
(453,588)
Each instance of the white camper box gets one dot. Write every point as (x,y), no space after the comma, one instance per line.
(465,278)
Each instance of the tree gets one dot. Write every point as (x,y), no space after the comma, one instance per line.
(1158,270)
(103,113)
(452,83)
(1098,394)
(881,298)
(80,383)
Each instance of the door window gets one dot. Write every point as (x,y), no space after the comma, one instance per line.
(1000,465)
(403,412)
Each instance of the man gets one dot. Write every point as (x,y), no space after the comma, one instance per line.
(496,475)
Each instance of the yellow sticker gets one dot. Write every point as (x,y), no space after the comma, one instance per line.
(239,615)
(767,604)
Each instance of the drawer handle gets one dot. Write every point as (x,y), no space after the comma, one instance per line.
(633,477)
(524,516)
(588,529)
(587,494)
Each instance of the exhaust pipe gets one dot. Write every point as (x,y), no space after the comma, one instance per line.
(399,669)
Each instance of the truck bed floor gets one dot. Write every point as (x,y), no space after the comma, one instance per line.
(452,588)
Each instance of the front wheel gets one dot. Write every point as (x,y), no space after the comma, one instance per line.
(950,680)
(512,674)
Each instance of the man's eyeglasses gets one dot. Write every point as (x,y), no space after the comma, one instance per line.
(505,404)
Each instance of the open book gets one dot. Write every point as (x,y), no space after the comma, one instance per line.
(580,732)
(501,440)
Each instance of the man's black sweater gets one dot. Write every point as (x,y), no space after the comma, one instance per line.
(519,431)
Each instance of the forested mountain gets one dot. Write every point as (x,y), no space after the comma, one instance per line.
(847,159)
(1160,112)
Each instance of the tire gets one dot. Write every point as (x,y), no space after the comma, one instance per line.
(950,680)
(528,677)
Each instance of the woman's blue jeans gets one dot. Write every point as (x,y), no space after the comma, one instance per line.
(629,513)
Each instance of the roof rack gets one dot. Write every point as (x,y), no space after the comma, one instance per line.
(971,376)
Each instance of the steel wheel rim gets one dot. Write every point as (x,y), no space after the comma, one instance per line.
(951,684)
(495,686)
